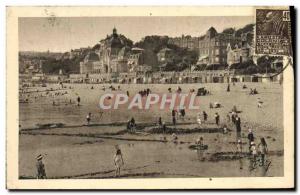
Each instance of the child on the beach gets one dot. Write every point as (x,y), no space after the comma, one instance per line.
(199,141)
(119,162)
(41,172)
(263,150)
(199,119)
(88,118)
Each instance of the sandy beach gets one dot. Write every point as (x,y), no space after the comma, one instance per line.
(82,151)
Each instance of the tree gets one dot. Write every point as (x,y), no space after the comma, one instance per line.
(228,31)
(246,29)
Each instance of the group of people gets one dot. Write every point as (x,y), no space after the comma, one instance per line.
(178,90)
(236,121)
(199,118)
(31,96)
(180,114)
(258,153)
(144,92)
(253,91)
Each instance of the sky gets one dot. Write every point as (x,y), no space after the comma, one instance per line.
(64,34)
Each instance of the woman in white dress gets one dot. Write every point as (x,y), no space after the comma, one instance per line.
(118,160)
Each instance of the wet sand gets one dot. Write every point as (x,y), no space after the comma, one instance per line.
(78,151)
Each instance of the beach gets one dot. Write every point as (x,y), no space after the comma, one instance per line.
(74,150)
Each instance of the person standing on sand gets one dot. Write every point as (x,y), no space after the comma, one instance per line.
(118,161)
(174,117)
(78,101)
(128,126)
(199,119)
(250,138)
(217,118)
(253,151)
(41,172)
(204,116)
(159,122)
(182,113)
(225,130)
(199,142)
(238,127)
(263,149)
(164,127)
(233,114)
(88,118)
(174,120)
(132,125)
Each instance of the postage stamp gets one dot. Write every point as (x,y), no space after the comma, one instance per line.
(273,32)
(149,98)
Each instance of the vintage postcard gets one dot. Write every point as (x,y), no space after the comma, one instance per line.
(150,97)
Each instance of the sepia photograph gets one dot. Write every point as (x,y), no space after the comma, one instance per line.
(117,96)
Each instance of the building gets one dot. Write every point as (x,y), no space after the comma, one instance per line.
(187,41)
(136,59)
(241,52)
(31,66)
(111,56)
(238,54)
(165,55)
(109,52)
(213,47)
(55,78)
(114,56)
(90,64)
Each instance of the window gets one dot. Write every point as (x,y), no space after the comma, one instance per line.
(217,51)
(216,59)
